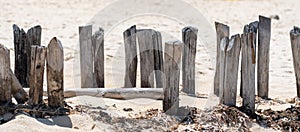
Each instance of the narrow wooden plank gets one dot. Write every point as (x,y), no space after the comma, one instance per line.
(173,51)
(158,59)
(264,38)
(231,70)
(222,67)
(17,90)
(130,57)
(295,44)
(55,73)
(20,55)
(86,56)
(5,77)
(146,47)
(36,76)
(33,37)
(98,48)
(189,38)
(222,31)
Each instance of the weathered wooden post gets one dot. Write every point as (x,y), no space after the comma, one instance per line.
(189,38)
(264,37)
(36,76)
(86,56)
(222,31)
(172,58)
(222,67)
(98,49)
(55,75)
(295,44)
(158,59)
(17,90)
(130,57)
(232,54)
(5,76)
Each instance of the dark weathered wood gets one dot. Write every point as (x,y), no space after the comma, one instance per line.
(189,38)
(295,44)
(146,47)
(86,56)
(222,67)
(20,55)
(33,37)
(222,31)
(158,59)
(173,51)
(231,70)
(264,38)
(36,76)
(55,74)
(130,57)
(5,76)
(98,48)
(17,90)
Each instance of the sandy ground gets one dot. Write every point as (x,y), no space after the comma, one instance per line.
(62,18)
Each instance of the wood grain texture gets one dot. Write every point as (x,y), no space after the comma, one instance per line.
(189,38)
(86,56)
(173,51)
(131,59)
(98,48)
(263,59)
(36,75)
(158,59)
(222,67)
(222,31)
(17,90)
(55,74)
(295,44)
(5,76)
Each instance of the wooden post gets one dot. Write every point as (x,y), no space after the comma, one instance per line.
(172,59)
(158,59)
(20,55)
(17,90)
(130,57)
(5,76)
(98,48)
(231,71)
(86,56)
(295,44)
(38,54)
(55,76)
(222,67)
(146,47)
(264,37)
(189,38)
(222,31)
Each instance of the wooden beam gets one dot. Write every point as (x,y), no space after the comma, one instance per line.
(5,76)
(295,44)
(222,67)
(98,49)
(158,59)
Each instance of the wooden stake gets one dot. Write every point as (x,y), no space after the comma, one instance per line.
(98,46)
(295,43)
(5,76)
(222,67)
(55,73)
(172,59)
(17,90)
(158,59)
(189,38)
(38,54)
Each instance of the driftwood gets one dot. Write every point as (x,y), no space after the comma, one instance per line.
(5,76)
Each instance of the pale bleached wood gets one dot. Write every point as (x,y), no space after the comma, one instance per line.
(86,56)
(222,67)
(172,57)
(146,47)
(158,59)
(189,38)
(222,31)
(231,70)
(20,55)
(5,76)
(295,44)
(130,56)
(98,49)
(17,90)
(55,74)
(264,38)
(36,76)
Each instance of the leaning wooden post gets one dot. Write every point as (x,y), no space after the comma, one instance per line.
(5,76)
(98,49)
(231,71)
(130,57)
(55,75)
(36,76)
(295,44)
(158,59)
(17,90)
(189,38)
(172,58)
(264,37)
(86,56)
(222,31)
